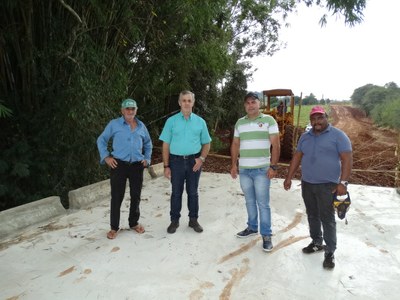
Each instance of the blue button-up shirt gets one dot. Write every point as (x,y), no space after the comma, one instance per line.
(185,136)
(127,145)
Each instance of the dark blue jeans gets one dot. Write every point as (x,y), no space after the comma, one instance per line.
(181,174)
(318,199)
(118,177)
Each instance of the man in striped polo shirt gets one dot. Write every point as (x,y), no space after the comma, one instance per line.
(253,138)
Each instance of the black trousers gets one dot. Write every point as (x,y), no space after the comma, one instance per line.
(318,199)
(134,173)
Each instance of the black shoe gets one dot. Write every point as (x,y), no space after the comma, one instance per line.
(329,261)
(246,233)
(195,225)
(312,248)
(173,226)
(267,243)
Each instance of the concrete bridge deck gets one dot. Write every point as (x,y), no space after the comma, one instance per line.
(65,254)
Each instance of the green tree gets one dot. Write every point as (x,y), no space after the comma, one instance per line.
(233,92)
(380,102)
(373,98)
(386,113)
(310,100)
(359,93)
(65,67)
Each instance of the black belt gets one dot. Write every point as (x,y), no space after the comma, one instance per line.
(129,163)
(186,156)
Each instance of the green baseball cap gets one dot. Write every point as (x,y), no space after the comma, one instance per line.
(128,103)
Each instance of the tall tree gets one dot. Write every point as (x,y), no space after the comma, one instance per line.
(359,93)
(66,65)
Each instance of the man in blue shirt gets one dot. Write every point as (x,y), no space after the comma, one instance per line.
(130,154)
(186,143)
(326,159)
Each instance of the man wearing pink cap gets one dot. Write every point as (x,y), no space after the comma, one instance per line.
(326,159)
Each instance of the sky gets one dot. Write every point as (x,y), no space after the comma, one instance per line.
(332,61)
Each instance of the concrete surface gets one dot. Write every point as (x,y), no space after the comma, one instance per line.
(13,220)
(70,257)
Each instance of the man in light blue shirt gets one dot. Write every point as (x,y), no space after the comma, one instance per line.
(186,143)
(130,154)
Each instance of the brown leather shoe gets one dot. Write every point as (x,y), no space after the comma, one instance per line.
(173,226)
(195,225)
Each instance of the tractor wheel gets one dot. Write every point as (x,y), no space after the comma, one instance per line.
(287,142)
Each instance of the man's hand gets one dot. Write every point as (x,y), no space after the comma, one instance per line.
(197,165)
(287,184)
(340,190)
(234,171)
(111,162)
(167,173)
(271,173)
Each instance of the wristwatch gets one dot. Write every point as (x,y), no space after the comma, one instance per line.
(344,182)
(202,159)
(274,167)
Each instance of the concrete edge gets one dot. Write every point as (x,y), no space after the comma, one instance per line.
(14,219)
(155,171)
(87,195)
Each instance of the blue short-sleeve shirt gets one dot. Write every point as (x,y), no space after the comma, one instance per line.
(185,136)
(321,155)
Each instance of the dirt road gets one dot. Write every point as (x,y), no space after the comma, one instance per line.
(374,148)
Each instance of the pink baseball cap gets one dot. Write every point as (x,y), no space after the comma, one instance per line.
(317,110)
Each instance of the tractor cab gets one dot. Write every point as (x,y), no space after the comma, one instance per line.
(280,104)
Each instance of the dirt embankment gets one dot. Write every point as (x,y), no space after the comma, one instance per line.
(374,149)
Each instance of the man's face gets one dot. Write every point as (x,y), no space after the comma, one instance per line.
(129,113)
(252,106)
(186,103)
(319,122)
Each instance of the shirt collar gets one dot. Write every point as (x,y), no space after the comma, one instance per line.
(259,116)
(327,129)
(122,121)
(183,116)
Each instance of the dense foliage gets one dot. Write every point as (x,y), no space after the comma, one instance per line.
(66,65)
(382,103)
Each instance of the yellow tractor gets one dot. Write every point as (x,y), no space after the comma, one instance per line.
(283,113)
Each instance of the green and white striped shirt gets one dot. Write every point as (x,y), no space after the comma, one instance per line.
(254,140)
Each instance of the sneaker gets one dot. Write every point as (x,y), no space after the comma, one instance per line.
(329,261)
(312,248)
(173,226)
(267,243)
(246,233)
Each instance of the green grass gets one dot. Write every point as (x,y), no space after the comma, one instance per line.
(305,114)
